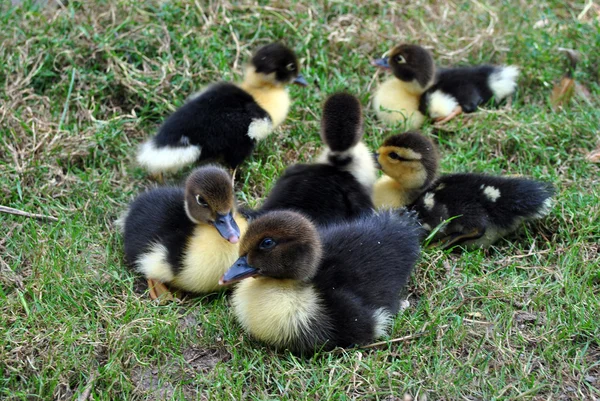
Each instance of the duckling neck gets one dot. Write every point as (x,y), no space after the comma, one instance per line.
(388,192)
(270,95)
(280,312)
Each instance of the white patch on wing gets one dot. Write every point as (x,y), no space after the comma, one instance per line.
(362,166)
(441,104)
(503,81)
(426,226)
(153,264)
(167,158)
(440,187)
(428,201)
(492,193)
(259,129)
(383,319)
(545,209)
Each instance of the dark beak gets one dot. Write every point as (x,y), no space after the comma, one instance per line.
(376,160)
(299,80)
(227,227)
(239,271)
(381,63)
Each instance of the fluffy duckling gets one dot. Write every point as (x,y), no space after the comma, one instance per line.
(188,237)
(339,184)
(335,285)
(440,94)
(410,163)
(225,121)
(482,208)
(397,99)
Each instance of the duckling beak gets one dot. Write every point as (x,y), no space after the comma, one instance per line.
(376,160)
(227,227)
(381,63)
(300,80)
(239,271)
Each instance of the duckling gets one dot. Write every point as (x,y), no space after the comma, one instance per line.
(410,163)
(440,94)
(339,184)
(483,208)
(322,286)
(397,99)
(226,120)
(188,237)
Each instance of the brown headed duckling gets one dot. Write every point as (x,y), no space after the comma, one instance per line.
(188,237)
(322,287)
(481,208)
(226,120)
(441,94)
(397,99)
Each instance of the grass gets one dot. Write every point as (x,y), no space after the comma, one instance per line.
(86,82)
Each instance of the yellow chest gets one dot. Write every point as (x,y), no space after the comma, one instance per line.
(394,102)
(388,194)
(276,311)
(207,257)
(274,100)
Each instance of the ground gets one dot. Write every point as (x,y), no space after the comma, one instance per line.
(85,82)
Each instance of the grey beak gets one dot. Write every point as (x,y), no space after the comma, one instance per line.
(299,80)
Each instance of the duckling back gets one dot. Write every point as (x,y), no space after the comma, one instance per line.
(488,207)
(365,266)
(468,87)
(221,122)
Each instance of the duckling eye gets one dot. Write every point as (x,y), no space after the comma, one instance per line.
(290,67)
(400,59)
(201,201)
(396,156)
(267,243)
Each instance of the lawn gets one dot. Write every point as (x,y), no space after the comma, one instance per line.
(84,83)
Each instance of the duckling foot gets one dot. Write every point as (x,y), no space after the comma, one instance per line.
(159,291)
(456,238)
(442,120)
(158,177)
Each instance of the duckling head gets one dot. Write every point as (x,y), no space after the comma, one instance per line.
(274,64)
(209,200)
(342,122)
(412,64)
(410,158)
(279,245)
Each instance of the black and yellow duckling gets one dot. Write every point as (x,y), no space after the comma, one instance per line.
(188,237)
(318,288)
(340,183)
(397,99)
(226,120)
(482,208)
(442,94)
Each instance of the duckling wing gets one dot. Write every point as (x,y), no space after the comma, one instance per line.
(367,262)
(467,85)
(218,121)
(480,203)
(157,218)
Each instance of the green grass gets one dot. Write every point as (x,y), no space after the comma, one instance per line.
(84,84)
